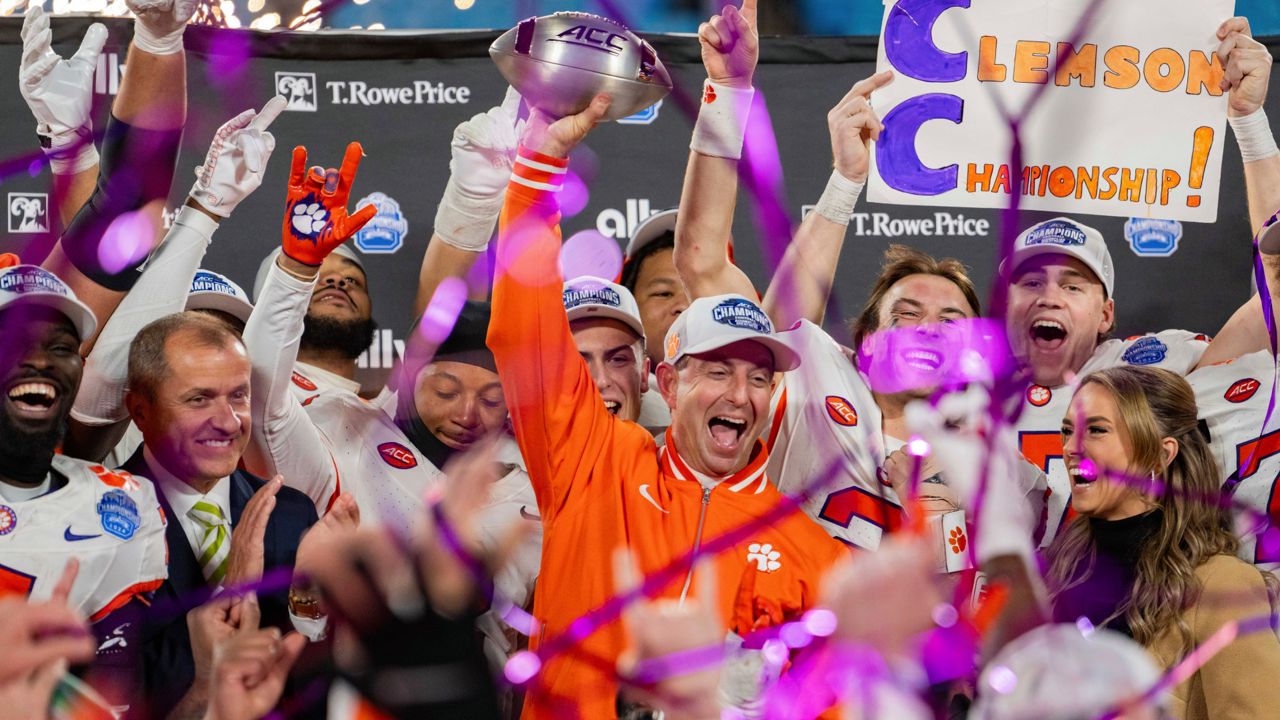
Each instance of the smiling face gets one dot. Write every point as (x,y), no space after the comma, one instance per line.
(195,418)
(929,303)
(719,404)
(459,403)
(1095,430)
(616,362)
(1057,310)
(661,297)
(40,367)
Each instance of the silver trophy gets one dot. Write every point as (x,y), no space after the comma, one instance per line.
(559,62)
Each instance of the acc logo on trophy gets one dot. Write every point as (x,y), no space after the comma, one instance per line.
(28,212)
(385,232)
(299,89)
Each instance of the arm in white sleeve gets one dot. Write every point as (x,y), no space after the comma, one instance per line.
(285,440)
(161,290)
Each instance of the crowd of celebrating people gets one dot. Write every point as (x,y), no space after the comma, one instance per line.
(610,497)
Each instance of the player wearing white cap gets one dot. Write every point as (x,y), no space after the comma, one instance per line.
(232,170)
(649,272)
(54,507)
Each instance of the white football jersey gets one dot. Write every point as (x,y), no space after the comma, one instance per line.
(110,521)
(823,413)
(1040,424)
(1233,399)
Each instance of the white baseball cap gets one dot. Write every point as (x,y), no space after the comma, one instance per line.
(265,266)
(592,297)
(711,323)
(650,229)
(33,285)
(214,291)
(1064,236)
(1056,672)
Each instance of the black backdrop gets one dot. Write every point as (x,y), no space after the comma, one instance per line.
(635,165)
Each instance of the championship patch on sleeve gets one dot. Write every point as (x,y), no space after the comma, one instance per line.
(119,514)
(1145,351)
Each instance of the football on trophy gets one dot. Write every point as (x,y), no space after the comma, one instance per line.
(559,62)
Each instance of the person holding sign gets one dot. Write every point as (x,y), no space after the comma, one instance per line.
(836,416)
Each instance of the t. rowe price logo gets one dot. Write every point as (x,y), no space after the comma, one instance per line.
(421,92)
(397,455)
(298,90)
(942,224)
(1242,390)
(28,212)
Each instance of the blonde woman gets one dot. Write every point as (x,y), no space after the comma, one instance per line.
(1157,562)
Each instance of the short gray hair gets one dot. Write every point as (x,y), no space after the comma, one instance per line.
(148,364)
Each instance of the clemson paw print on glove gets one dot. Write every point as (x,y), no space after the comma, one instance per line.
(764,556)
(957,540)
(309,218)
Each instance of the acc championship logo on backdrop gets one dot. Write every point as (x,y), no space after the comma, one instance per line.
(385,232)
(1152,238)
(299,89)
(644,117)
(28,212)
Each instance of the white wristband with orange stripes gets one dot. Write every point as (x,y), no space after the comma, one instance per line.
(722,121)
(538,171)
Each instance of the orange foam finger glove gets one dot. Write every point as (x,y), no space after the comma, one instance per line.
(315,216)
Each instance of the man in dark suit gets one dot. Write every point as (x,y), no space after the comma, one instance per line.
(188,393)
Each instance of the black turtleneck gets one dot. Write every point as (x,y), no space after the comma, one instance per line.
(1117,545)
(428,444)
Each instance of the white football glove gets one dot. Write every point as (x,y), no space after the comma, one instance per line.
(237,159)
(483,153)
(160,23)
(60,92)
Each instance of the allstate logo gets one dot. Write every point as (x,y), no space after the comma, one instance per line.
(644,117)
(1145,351)
(1055,232)
(1152,238)
(385,232)
(743,314)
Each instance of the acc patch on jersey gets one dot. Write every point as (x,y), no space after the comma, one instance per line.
(841,411)
(303,381)
(397,455)
(1039,395)
(119,514)
(1145,351)
(1241,390)
(8,519)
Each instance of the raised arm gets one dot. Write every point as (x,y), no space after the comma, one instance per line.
(138,154)
(1248,73)
(285,441)
(548,389)
(60,95)
(482,153)
(232,170)
(730,51)
(802,283)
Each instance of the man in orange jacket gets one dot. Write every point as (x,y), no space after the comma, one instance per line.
(602,483)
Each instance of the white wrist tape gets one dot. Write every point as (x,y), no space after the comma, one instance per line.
(1253,134)
(147,41)
(722,121)
(839,198)
(70,152)
(466,221)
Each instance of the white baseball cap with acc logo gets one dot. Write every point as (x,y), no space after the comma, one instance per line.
(711,323)
(592,297)
(1064,236)
(214,291)
(33,285)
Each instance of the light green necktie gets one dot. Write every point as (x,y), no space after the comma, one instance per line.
(215,542)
